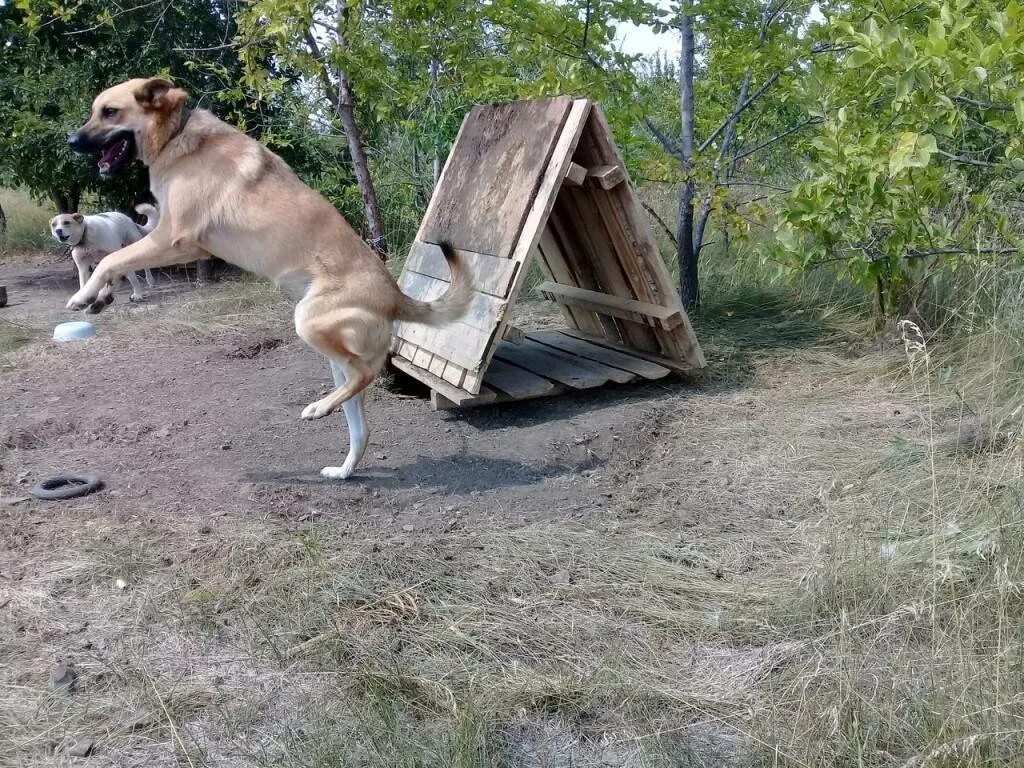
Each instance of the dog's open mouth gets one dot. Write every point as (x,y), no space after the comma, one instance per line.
(117,155)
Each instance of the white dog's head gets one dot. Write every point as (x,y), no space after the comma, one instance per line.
(68,228)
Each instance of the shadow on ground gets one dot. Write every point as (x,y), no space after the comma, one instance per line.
(454,474)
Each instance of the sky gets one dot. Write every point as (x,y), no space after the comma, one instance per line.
(644,41)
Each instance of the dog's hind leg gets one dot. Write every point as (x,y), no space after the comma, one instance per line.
(358,434)
(355,341)
(356,376)
(150,280)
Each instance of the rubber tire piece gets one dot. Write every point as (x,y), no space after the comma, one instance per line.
(68,486)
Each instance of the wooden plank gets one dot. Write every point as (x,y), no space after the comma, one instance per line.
(494,174)
(454,374)
(473,380)
(406,349)
(628,309)
(487,274)
(597,147)
(544,200)
(551,366)
(676,365)
(437,365)
(453,393)
(463,341)
(577,256)
(460,344)
(513,334)
(517,383)
(439,402)
(483,312)
(575,175)
(422,358)
(687,345)
(607,176)
(590,231)
(558,271)
(617,375)
(626,362)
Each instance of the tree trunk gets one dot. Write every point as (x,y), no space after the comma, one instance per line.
(361,166)
(689,283)
(342,101)
(3,220)
(61,201)
(66,202)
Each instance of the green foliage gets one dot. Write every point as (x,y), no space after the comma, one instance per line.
(57,58)
(416,68)
(920,146)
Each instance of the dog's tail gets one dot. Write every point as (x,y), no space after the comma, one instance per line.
(446,308)
(152,217)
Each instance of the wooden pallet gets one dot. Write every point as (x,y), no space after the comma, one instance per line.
(547,363)
(541,180)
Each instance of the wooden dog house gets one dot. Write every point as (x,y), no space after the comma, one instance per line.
(542,180)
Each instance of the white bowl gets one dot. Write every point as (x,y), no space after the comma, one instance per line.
(74,331)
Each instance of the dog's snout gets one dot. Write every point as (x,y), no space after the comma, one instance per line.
(75,141)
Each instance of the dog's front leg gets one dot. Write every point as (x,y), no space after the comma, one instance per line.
(147,252)
(81,261)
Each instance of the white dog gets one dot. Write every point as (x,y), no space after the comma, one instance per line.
(93,237)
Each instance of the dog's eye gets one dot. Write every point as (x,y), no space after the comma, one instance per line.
(109,111)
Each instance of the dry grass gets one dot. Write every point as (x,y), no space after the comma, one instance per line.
(810,565)
(28,229)
(13,336)
(232,306)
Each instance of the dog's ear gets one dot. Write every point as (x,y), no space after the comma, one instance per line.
(157,93)
(78,217)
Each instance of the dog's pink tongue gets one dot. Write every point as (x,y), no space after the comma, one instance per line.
(111,153)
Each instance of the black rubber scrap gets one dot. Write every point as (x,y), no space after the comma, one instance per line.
(68,486)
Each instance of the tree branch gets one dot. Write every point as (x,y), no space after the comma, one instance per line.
(960,252)
(779,137)
(820,48)
(753,184)
(666,143)
(982,104)
(740,109)
(968,160)
(654,215)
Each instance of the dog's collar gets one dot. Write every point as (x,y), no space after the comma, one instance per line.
(186,113)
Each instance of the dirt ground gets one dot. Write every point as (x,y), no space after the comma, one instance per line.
(156,590)
(194,427)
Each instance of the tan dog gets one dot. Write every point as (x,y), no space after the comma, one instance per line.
(223,193)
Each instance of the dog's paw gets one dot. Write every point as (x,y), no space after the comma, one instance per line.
(336,473)
(135,298)
(100,304)
(79,301)
(316,410)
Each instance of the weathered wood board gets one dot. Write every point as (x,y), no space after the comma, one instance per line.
(541,179)
(493,174)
